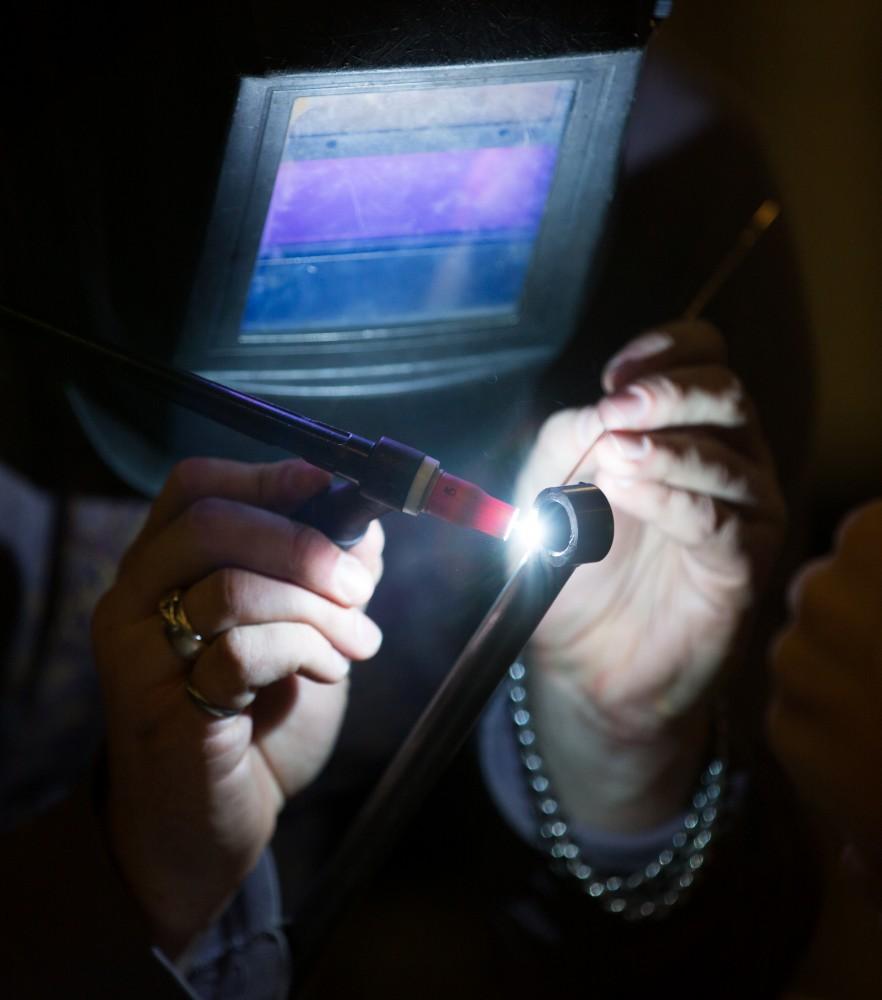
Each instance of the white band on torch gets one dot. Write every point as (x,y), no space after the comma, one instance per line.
(421,486)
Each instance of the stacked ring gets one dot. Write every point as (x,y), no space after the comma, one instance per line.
(188,644)
(184,640)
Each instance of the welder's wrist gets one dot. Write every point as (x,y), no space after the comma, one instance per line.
(607,782)
(636,875)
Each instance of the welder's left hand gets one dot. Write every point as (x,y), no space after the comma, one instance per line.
(633,642)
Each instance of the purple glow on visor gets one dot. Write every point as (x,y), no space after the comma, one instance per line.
(395,207)
(408,194)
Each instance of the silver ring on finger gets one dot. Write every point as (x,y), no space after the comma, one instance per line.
(209,707)
(182,637)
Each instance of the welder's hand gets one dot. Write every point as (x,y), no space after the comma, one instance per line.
(192,799)
(636,639)
(825,721)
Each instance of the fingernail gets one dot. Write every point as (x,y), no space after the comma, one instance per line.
(625,408)
(369,635)
(630,446)
(643,347)
(352,581)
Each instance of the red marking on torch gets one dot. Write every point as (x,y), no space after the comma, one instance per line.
(461,502)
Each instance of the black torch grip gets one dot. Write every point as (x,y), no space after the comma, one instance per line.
(341,513)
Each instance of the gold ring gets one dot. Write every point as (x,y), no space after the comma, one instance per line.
(183,639)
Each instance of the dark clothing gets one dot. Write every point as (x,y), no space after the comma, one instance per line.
(84,936)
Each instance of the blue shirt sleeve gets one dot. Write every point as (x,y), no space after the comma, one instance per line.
(245,954)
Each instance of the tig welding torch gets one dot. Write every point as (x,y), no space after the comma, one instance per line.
(380,476)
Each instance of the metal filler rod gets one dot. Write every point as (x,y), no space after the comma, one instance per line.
(578,528)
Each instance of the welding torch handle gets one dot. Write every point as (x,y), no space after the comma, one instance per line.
(390,475)
(341,513)
(101,365)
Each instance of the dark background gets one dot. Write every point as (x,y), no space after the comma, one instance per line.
(809,75)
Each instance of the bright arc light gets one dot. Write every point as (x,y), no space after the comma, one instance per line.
(528,533)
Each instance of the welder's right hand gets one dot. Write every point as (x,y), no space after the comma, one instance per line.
(192,798)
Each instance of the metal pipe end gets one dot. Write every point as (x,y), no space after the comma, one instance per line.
(577,524)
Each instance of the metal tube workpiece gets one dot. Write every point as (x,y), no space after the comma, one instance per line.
(579,528)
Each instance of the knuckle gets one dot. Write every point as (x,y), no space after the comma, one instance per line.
(229,585)
(685,454)
(205,516)
(736,401)
(732,483)
(308,549)
(281,483)
(661,389)
(186,476)
(291,474)
(705,514)
(309,648)
(718,397)
(699,337)
(316,645)
(265,473)
(811,598)
(233,653)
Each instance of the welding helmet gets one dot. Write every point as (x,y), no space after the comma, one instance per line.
(384,220)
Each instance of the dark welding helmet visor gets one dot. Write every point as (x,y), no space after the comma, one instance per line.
(400,236)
